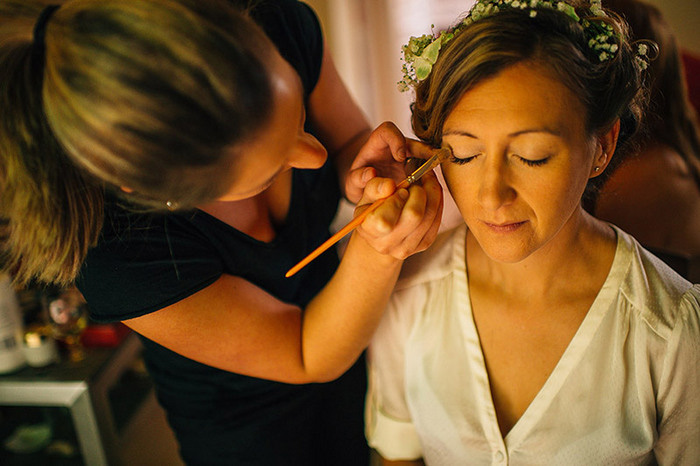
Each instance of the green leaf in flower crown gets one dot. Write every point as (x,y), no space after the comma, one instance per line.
(422,67)
(568,10)
(430,53)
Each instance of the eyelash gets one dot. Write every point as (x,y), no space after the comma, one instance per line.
(531,163)
(534,163)
(462,161)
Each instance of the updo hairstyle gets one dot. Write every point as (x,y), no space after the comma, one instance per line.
(608,90)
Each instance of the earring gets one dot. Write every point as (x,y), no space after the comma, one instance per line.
(596,169)
(170,205)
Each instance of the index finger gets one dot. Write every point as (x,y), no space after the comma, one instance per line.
(388,135)
(420,150)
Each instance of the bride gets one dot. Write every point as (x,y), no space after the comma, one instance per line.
(534,333)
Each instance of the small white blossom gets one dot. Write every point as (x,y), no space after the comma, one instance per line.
(533,13)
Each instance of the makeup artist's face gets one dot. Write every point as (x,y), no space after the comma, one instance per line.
(522,157)
(280,145)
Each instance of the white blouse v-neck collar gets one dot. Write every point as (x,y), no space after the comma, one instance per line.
(568,361)
(617,395)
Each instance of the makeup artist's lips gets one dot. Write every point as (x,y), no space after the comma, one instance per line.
(504,227)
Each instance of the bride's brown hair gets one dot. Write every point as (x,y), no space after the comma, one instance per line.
(609,89)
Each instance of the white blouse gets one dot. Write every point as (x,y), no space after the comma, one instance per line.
(625,391)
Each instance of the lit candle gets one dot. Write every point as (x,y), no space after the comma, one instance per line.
(39,349)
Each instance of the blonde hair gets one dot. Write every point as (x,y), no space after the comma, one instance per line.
(151,94)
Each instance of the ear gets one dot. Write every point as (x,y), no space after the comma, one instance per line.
(605,148)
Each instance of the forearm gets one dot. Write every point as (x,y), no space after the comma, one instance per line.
(338,323)
(235,325)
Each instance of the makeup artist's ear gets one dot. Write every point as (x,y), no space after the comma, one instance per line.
(606,142)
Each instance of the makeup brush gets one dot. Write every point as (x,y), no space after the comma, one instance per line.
(428,165)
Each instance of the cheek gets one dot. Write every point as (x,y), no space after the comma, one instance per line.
(559,196)
(459,184)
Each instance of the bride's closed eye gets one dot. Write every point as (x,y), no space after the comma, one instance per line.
(534,163)
(458,159)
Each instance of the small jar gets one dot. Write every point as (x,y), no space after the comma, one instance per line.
(39,349)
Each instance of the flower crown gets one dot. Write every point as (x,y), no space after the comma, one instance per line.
(421,53)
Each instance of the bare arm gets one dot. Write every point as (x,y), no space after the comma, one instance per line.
(338,122)
(236,326)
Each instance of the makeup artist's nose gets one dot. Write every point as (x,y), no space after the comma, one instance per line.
(495,189)
(308,153)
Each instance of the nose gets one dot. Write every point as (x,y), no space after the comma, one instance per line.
(495,189)
(308,153)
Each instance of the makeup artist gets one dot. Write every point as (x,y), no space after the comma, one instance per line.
(175,158)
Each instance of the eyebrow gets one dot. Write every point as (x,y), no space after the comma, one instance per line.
(545,130)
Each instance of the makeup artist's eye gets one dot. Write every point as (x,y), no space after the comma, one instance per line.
(461,160)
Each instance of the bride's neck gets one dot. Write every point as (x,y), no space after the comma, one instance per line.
(579,256)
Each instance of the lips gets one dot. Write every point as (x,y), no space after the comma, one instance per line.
(505,227)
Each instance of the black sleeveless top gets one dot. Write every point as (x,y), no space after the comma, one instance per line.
(146,262)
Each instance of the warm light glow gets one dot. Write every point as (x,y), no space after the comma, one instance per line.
(32,339)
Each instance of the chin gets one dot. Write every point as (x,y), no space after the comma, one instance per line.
(507,256)
(507,251)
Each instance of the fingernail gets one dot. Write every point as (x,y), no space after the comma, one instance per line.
(403,194)
(367,175)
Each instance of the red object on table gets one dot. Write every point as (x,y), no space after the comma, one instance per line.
(104,335)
